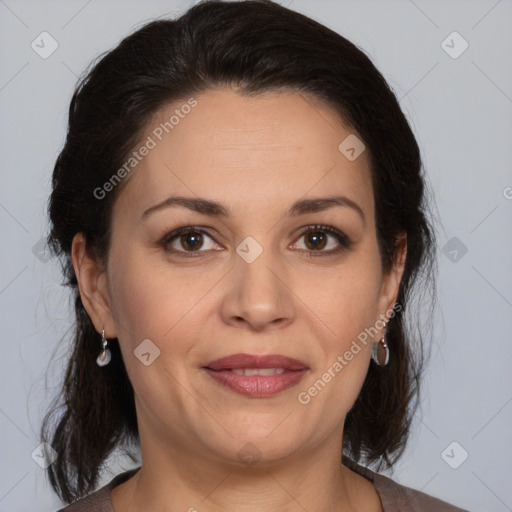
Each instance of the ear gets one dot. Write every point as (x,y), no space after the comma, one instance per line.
(92,284)
(391,281)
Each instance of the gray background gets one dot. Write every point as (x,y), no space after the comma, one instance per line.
(460,109)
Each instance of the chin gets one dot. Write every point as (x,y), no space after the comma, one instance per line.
(257,445)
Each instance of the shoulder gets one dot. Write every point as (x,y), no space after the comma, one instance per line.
(399,498)
(99,501)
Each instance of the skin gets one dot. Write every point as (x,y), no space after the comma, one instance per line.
(256,156)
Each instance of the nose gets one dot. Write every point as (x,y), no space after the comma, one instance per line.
(258,296)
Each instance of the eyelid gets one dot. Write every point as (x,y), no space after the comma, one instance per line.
(345,243)
(174,234)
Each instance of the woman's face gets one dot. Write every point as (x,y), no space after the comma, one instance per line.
(253,276)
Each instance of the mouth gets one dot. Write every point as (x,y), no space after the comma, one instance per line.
(257,376)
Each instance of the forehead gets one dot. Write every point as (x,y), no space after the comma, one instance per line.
(275,145)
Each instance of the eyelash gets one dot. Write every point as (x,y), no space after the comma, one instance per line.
(344,242)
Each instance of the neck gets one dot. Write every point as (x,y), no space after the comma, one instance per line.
(187,480)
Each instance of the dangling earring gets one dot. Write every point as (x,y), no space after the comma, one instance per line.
(104,358)
(380,350)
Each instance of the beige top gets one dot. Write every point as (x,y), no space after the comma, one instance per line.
(394,497)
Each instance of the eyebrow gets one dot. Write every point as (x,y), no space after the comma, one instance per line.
(215,209)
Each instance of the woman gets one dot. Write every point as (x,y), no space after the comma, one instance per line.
(240,211)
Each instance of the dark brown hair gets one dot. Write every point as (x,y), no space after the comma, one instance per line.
(256,46)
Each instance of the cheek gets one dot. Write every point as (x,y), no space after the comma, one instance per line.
(150,304)
(347,305)
(346,299)
(149,301)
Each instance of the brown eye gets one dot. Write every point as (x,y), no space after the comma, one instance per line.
(192,241)
(316,240)
(187,241)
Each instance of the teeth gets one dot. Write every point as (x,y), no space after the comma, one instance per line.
(249,372)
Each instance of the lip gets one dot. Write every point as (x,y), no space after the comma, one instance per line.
(257,386)
(256,361)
